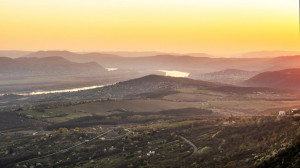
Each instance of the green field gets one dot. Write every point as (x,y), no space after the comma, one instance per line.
(47,113)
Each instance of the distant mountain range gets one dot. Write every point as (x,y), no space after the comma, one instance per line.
(80,58)
(225,70)
(199,63)
(138,53)
(269,54)
(13,53)
(255,54)
(48,66)
(150,63)
(283,79)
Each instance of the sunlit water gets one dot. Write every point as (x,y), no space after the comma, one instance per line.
(60,91)
(167,73)
(175,73)
(111,69)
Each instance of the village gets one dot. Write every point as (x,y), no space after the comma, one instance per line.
(290,112)
(176,142)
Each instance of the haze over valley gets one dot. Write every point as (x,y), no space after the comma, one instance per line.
(67,70)
(197,105)
(149,84)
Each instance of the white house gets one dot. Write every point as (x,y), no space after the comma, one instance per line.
(281,113)
(293,110)
(150,153)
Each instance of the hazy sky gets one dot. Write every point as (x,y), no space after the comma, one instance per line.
(212,26)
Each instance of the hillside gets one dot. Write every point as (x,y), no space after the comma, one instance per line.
(167,82)
(284,62)
(156,86)
(144,85)
(228,76)
(48,66)
(284,79)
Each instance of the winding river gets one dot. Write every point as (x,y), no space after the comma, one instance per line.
(167,73)
(60,91)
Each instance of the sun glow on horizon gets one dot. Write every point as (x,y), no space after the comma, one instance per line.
(212,26)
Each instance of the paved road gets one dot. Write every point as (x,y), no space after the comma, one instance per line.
(66,149)
(189,142)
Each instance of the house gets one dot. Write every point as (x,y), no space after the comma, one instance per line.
(112,148)
(225,123)
(150,153)
(281,113)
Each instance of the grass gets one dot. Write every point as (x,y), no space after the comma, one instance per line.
(168,124)
(107,107)
(255,105)
(110,161)
(200,91)
(70,116)
(46,114)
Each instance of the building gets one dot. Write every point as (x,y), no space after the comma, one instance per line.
(150,153)
(281,113)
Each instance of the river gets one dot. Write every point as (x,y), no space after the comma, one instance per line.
(175,73)
(60,91)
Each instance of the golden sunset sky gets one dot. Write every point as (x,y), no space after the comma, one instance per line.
(185,26)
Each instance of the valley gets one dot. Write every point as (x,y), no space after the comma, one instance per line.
(149,84)
(127,118)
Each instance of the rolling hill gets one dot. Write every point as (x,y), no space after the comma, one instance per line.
(145,85)
(48,66)
(284,79)
(158,86)
(228,76)
(284,62)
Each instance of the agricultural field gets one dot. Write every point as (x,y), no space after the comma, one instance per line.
(221,104)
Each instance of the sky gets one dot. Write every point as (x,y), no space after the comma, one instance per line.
(183,26)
